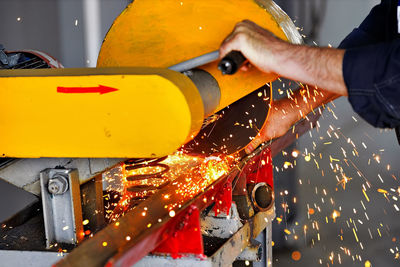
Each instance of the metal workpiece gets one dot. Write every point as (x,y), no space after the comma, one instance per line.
(62,210)
(208,88)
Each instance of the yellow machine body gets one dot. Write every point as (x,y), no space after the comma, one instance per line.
(149,113)
(154,111)
(164,33)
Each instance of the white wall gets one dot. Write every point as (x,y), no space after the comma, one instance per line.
(52,26)
(342,16)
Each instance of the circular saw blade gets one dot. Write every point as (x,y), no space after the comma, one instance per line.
(232,128)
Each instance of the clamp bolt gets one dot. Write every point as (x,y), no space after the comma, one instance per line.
(58,184)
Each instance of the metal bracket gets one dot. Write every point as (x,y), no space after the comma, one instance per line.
(251,253)
(62,210)
(221,226)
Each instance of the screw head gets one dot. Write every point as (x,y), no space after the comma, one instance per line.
(58,185)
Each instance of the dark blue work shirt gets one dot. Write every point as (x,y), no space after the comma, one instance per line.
(371,66)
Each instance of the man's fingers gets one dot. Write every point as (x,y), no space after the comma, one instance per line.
(225,47)
(225,44)
(232,42)
(235,39)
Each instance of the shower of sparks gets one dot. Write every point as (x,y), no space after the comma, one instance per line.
(336,156)
(344,181)
(126,188)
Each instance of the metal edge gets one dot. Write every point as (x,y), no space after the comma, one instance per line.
(282,19)
(76,204)
(47,210)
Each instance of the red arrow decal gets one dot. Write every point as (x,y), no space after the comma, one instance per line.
(101,89)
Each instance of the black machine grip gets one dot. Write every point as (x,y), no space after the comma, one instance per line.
(231,63)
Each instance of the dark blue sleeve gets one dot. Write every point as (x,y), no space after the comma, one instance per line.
(372,77)
(371,71)
(370,31)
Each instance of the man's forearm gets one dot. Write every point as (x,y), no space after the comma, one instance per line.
(321,67)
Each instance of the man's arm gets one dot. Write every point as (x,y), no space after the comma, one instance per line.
(321,67)
(367,71)
(295,62)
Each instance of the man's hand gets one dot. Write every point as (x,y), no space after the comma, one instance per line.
(319,67)
(258,45)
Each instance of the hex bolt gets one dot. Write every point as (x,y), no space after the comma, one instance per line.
(58,184)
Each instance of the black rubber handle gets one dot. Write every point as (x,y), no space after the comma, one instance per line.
(231,63)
